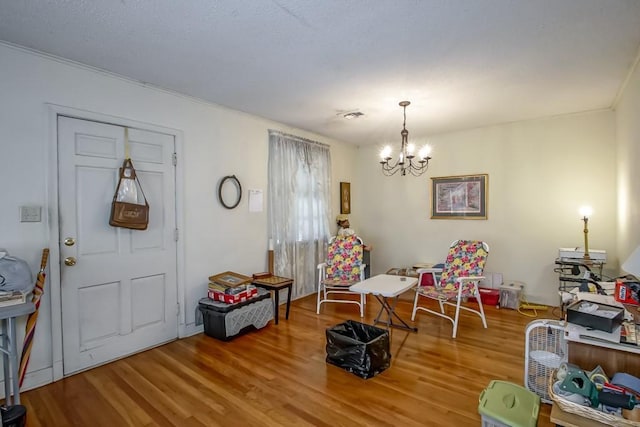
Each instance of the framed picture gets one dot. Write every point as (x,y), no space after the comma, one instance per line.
(459,197)
(345,198)
(230,279)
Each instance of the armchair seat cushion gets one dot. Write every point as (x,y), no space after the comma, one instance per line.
(339,282)
(435,292)
(344,259)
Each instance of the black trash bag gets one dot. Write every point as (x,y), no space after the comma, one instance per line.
(358,348)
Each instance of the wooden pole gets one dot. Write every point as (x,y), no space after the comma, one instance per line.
(270,252)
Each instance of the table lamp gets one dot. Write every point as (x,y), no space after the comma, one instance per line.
(586,212)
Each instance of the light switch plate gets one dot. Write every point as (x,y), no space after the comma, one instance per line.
(30,213)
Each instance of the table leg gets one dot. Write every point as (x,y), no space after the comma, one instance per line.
(391,313)
(288,300)
(5,362)
(276,308)
(13,360)
(382,308)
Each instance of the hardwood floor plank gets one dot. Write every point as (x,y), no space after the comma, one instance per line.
(278,376)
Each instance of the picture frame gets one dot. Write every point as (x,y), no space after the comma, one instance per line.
(230,279)
(345,197)
(459,197)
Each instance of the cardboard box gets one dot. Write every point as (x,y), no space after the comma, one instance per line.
(627,292)
(232,299)
(598,316)
(230,279)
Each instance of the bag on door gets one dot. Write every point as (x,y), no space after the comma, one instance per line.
(126,212)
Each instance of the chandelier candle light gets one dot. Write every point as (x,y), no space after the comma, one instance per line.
(407,161)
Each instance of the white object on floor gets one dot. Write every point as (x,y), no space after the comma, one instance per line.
(545,350)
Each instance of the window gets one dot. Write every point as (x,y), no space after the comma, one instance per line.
(299,199)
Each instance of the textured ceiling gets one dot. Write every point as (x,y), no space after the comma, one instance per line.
(462,63)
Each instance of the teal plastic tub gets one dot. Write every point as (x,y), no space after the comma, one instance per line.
(504,404)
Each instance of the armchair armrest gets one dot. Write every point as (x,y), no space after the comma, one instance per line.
(429,270)
(363,268)
(430,275)
(322,265)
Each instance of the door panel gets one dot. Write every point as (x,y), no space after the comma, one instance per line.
(95,237)
(147,297)
(153,239)
(97,305)
(121,295)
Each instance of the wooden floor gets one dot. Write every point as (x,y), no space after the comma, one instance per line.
(278,376)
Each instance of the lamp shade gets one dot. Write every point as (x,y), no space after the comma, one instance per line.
(632,264)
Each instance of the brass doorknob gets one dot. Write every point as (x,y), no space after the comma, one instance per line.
(69,241)
(70,261)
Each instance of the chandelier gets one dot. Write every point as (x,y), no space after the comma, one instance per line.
(407,161)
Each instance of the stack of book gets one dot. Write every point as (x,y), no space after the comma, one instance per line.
(231,288)
(12,298)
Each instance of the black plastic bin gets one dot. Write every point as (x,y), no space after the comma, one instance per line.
(226,321)
(358,348)
(13,416)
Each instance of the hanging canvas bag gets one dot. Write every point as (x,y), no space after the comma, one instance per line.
(126,212)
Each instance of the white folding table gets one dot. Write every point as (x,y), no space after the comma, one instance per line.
(9,349)
(387,288)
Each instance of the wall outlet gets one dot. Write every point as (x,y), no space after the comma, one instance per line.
(30,213)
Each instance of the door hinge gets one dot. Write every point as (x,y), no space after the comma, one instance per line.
(177,309)
(174,159)
(176,234)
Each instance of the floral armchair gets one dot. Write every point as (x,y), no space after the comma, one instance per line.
(456,281)
(343,268)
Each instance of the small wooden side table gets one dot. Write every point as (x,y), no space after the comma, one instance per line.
(276,284)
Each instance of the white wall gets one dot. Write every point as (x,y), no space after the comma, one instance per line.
(540,173)
(628,138)
(217,142)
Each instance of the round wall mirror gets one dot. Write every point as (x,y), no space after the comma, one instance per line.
(230,194)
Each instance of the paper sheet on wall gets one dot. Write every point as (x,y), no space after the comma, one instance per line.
(255,200)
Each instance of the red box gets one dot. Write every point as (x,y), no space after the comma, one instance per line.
(626,294)
(232,299)
(488,296)
(427,280)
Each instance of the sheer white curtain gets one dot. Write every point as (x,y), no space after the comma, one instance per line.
(299,207)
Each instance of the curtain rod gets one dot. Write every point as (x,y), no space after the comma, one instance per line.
(297,138)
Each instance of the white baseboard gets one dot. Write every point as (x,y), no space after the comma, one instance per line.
(32,380)
(44,376)
(190,330)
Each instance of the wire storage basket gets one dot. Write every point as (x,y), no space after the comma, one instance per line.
(545,350)
(586,411)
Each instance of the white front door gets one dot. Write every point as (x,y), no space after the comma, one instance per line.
(120,297)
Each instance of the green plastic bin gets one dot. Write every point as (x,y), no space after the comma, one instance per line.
(504,404)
